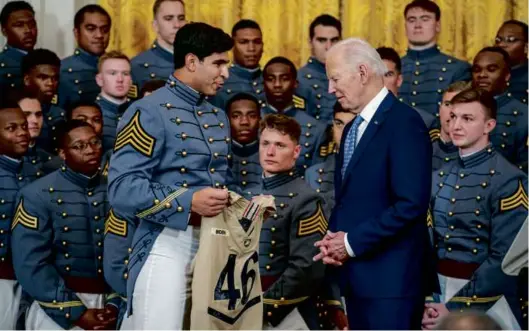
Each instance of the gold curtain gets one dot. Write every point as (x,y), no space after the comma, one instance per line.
(466,25)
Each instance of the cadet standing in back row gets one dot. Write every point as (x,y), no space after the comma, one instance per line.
(78,71)
(427,72)
(157,62)
(245,75)
(324,32)
(171,162)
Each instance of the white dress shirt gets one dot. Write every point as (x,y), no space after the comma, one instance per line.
(367,114)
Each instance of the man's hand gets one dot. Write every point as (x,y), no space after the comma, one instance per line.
(209,201)
(339,319)
(94,319)
(332,249)
(433,313)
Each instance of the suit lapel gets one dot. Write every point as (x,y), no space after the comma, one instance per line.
(369,133)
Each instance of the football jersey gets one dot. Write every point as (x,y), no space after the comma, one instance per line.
(226,287)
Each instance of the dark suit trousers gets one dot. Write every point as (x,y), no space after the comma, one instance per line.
(384,313)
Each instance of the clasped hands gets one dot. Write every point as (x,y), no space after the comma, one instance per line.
(332,249)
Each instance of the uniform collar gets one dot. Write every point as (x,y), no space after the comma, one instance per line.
(244,150)
(86,57)
(185,92)
(162,52)
(423,54)
(248,74)
(290,110)
(447,147)
(477,158)
(519,69)
(315,64)
(14,52)
(107,104)
(10,164)
(280,179)
(503,99)
(80,179)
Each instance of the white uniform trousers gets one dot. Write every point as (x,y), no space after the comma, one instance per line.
(10,293)
(162,292)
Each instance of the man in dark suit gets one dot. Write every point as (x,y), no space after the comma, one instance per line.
(378,239)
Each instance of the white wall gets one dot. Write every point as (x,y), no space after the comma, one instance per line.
(55,23)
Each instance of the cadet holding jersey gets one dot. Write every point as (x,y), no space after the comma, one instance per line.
(169,166)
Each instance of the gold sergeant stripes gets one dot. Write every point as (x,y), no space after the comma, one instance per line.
(115,225)
(298,102)
(519,198)
(161,205)
(24,218)
(429,218)
(134,135)
(314,224)
(435,134)
(133,91)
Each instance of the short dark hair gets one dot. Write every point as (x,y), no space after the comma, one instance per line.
(282,60)
(325,20)
(244,24)
(337,108)
(520,24)
(158,3)
(282,123)
(389,54)
(151,86)
(11,99)
(14,97)
(200,39)
(426,5)
(486,99)
(89,9)
(63,128)
(242,96)
(495,49)
(81,103)
(37,57)
(12,7)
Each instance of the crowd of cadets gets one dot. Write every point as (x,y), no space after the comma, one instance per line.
(58,130)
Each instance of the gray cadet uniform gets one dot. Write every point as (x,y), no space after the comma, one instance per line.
(427,74)
(240,80)
(169,145)
(247,170)
(289,276)
(478,205)
(314,87)
(154,63)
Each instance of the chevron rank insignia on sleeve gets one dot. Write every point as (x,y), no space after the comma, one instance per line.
(429,219)
(517,199)
(435,134)
(133,91)
(22,217)
(115,225)
(317,223)
(299,102)
(134,135)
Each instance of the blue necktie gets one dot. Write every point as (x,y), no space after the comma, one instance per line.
(350,143)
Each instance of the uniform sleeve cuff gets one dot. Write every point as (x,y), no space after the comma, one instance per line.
(348,247)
